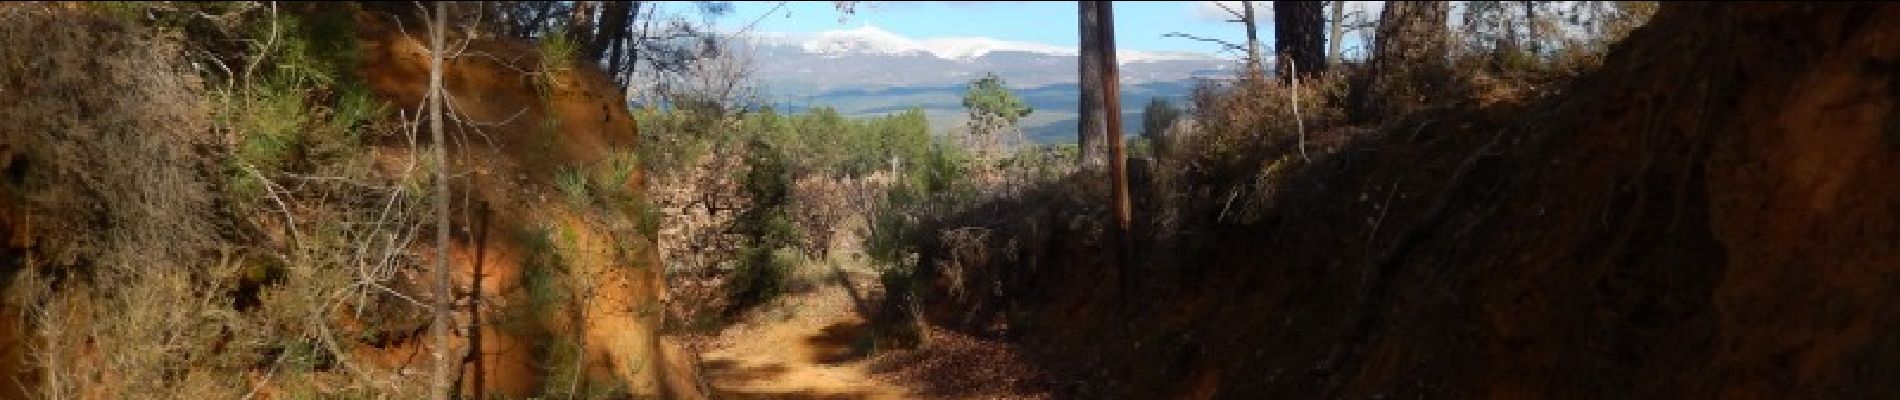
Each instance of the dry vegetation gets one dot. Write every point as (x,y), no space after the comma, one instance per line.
(1593,224)
(224,201)
(196,232)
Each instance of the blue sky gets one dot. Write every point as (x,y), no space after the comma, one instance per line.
(1139,24)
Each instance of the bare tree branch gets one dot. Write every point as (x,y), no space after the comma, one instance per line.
(1225,45)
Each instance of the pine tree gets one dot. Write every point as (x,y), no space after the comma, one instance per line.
(1299,36)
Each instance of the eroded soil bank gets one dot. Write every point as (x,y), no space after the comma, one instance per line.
(1712,214)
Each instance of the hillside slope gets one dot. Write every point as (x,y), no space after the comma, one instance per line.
(1712,214)
(520,127)
(136,265)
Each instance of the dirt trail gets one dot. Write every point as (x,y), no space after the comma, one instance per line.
(810,344)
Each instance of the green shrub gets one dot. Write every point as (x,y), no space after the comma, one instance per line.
(562,371)
(558,52)
(573,183)
(782,148)
(270,122)
(646,217)
(762,275)
(543,268)
(609,177)
(301,108)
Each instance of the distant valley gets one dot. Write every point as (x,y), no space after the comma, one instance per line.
(867,71)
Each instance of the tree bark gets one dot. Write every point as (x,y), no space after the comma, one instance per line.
(1089,122)
(439,377)
(1118,158)
(617,52)
(1299,36)
(614,17)
(1408,62)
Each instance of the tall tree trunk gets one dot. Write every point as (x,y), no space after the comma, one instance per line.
(1253,37)
(1530,27)
(614,17)
(1089,123)
(1332,41)
(617,53)
(1408,62)
(582,28)
(1299,35)
(439,377)
(1118,158)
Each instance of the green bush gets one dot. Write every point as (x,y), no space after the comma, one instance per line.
(542,268)
(558,52)
(779,149)
(573,183)
(762,275)
(767,224)
(301,108)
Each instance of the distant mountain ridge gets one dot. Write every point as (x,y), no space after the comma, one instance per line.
(870,39)
(870,71)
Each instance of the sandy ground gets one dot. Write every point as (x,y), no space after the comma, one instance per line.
(809,344)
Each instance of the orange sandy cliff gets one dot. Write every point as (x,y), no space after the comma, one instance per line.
(506,126)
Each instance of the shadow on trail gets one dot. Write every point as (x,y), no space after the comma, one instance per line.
(841,343)
(858,302)
(728,371)
(804,395)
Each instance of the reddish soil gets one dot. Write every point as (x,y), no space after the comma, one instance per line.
(1713,214)
(513,141)
(808,345)
(816,343)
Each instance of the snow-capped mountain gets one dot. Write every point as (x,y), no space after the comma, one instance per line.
(868,70)
(873,40)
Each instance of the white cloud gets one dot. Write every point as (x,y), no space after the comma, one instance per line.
(874,40)
(871,39)
(876,5)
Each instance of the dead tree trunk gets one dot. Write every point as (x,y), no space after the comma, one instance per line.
(439,377)
(1253,37)
(1332,41)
